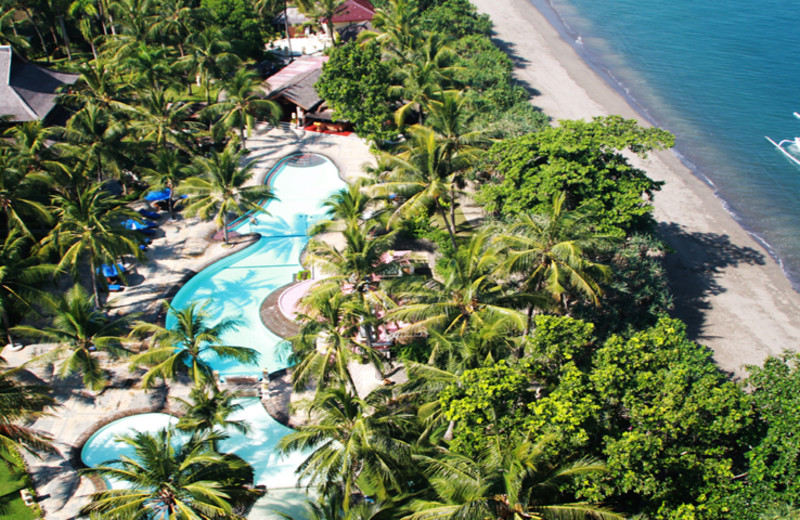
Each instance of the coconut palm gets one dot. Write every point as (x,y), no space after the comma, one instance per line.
(20,404)
(208,57)
(209,411)
(167,477)
(510,481)
(218,188)
(323,11)
(174,23)
(423,177)
(21,276)
(80,332)
(187,346)
(90,227)
(159,120)
(327,342)
(152,67)
(100,84)
(243,102)
(95,137)
(349,206)
(353,441)
(552,252)
(464,295)
(397,30)
(19,189)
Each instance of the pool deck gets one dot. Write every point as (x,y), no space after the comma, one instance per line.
(180,249)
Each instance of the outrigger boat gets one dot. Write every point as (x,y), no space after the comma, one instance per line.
(783,145)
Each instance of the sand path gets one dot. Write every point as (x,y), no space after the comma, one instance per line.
(730,292)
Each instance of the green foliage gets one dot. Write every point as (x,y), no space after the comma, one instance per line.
(355,84)
(676,426)
(775,460)
(557,340)
(487,401)
(239,25)
(582,159)
(455,18)
(12,479)
(638,293)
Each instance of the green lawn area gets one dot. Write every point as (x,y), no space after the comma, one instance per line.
(11,505)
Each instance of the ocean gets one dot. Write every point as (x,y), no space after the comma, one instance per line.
(718,75)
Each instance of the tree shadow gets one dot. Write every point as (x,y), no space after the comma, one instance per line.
(517,60)
(693,270)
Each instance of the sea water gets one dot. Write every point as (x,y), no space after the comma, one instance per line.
(718,75)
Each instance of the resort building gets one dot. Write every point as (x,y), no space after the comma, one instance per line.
(28,91)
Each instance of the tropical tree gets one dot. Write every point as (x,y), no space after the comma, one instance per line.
(21,276)
(327,341)
(464,295)
(242,103)
(397,29)
(19,189)
(219,188)
(95,137)
(159,120)
(323,11)
(210,411)
(20,404)
(422,177)
(100,84)
(355,442)
(90,227)
(350,206)
(552,252)
(168,477)
(209,57)
(187,345)
(80,333)
(509,481)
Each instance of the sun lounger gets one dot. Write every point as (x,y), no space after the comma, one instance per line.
(149,214)
(115,287)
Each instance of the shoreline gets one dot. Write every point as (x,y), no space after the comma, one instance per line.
(728,288)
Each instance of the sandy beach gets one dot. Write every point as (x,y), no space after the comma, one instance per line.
(733,296)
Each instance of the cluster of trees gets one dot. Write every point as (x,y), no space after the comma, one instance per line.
(546,379)
(419,51)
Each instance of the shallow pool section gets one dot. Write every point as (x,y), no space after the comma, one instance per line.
(258,447)
(237,285)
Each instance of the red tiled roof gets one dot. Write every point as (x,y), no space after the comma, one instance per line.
(354,11)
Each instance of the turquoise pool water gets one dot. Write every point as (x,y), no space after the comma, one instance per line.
(256,447)
(235,288)
(237,285)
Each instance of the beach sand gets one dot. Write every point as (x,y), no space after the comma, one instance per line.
(732,295)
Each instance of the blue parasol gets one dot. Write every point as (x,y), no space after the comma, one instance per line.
(110,271)
(134,225)
(155,196)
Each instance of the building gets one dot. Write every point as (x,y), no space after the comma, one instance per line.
(28,91)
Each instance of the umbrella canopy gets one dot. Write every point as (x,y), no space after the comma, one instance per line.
(134,225)
(155,196)
(110,271)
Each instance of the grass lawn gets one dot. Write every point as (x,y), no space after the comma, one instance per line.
(11,505)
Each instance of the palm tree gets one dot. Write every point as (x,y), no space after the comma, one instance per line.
(79,331)
(551,251)
(397,30)
(19,189)
(151,66)
(510,481)
(21,275)
(90,226)
(159,120)
(95,136)
(242,103)
(323,11)
(20,404)
(467,297)
(428,72)
(353,441)
(423,177)
(186,346)
(209,58)
(173,23)
(168,170)
(350,206)
(219,188)
(167,478)
(210,411)
(327,342)
(100,84)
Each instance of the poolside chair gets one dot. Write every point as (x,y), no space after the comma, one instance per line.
(149,214)
(115,287)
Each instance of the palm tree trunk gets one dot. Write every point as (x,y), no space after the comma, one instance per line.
(225,227)
(7,326)
(443,214)
(65,36)
(38,32)
(288,36)
(95,288)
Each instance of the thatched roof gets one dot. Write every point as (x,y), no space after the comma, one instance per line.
(28,91)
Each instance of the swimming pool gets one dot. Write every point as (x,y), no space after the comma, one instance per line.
(257,447)
(238,284)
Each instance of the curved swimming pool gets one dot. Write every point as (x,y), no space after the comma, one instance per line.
(237,285)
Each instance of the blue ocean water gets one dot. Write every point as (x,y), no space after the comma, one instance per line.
(720,76)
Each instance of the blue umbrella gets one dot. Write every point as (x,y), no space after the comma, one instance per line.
(155,196)
(134,225)
(110,271)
